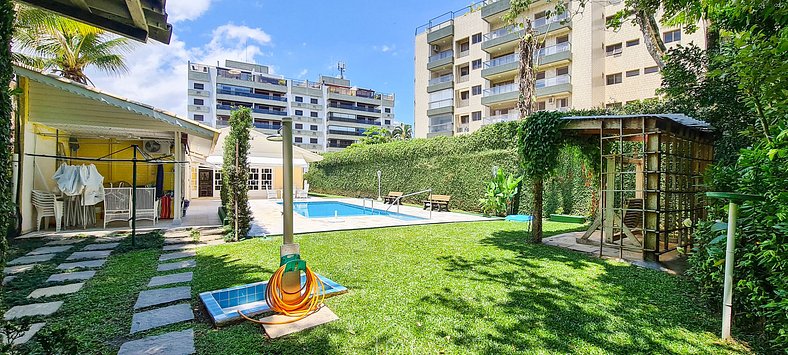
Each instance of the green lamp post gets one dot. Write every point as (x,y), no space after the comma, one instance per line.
(734,199)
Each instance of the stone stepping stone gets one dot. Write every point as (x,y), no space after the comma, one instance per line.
(170,279)
(177,265)
(163,295)
(8,279)
(112,239)
(28,334)
(18,268)
(56,290)
(30,310)
(97,254)
(178,255)
(181,240)
(100,246)
(160,316)
(173,247)
(49,250)
(65,241)
(72,276)
(174,343)
(82,264)
(31,259)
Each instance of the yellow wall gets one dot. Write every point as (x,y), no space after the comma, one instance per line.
(115,172)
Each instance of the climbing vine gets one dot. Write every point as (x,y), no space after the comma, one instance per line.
(6,73)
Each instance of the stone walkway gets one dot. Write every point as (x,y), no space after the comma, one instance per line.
(161,306)
(63,283)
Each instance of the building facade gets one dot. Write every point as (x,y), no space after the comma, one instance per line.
(328,115)
(466,64)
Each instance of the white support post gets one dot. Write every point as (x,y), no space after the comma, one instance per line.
(178,181)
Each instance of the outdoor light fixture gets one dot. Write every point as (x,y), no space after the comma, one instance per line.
(234,71)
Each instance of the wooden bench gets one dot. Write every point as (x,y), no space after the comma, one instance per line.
(438,203)
(392,197)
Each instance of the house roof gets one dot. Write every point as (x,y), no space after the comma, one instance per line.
(136,19)
(681,119)
(263,151)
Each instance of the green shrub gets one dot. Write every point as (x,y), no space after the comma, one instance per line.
(500,193)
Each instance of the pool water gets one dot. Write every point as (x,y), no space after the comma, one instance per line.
(326,209)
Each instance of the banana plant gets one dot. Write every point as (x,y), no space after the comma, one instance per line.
(500,193)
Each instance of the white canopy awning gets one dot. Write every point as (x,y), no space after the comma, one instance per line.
(263,151)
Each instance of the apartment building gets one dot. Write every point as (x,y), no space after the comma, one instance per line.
(328,115)
(466,64)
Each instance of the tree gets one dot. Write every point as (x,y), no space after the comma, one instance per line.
(374,135)
(7,207)
(642,14)
(235,173)
(402,132)
(50,42)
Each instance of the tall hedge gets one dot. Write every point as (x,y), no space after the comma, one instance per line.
(7,205)
(458,166)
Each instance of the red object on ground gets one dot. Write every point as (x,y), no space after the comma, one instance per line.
(166,207)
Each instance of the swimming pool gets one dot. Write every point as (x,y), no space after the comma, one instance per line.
(327,209)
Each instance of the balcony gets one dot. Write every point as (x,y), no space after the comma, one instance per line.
(494,7)
(500,65)
(554,85)
(203,93)
(440,107)
(260,81)
(346,133)
(548,24)
(198,108)
(310,146)
(501,93)
(440,60)
(353,120)
(306,87)
(463,54)
(266,126)
(464,78)
(358,95)
(463,128)
(255,110)
(440,83)
(278,99)
(463,103)
(353,107)
(554,54)
(502,39)
(513,115)
(442,129)
(441,31)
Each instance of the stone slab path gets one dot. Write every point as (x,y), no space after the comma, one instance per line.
(100,246)
(30,310)
(161,316)
(178,255)
(49,250)
(97,254)
(30,259)
(56,290)
(18,268)
(177,265)
(8,279)
(68,241)
(82,264)
(170,279)
(28,334)
(162,295)
(174,343)
(72,276)
(183,240)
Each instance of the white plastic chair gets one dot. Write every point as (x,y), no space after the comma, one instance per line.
(47,205)
(147,205)
(299,193)
(117,204)
(270,194)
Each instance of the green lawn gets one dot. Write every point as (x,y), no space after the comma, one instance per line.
(465,288)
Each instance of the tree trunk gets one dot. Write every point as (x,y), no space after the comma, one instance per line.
(651,36)
(525,104)
(536,222)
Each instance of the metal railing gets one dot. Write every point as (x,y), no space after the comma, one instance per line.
(441,79)
(441,103)
(398,201)
(501,89)
(442,127)
(252,95)
(464,53)
(503,31)
(353,120)
(441,55)
(354,107)
(556,80)
(554,49)
(543,21)
(511,116)
(510,58)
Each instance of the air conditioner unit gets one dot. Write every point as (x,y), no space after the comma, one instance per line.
(155,147)
(436,48)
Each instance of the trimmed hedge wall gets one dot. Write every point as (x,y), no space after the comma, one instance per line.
(458,166)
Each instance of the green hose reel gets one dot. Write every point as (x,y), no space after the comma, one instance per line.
(292,262)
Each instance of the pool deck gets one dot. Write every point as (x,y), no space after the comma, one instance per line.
(268,217)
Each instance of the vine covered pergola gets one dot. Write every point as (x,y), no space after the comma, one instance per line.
(650,180)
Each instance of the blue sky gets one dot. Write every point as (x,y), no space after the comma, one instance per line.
(297,39)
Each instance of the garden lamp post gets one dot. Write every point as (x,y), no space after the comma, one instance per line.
(379,173)
(734,199)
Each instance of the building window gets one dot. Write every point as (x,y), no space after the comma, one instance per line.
(476,90)
(199,102)
(541,106)
(476,38)
(313,114)
(633,42)
(313,101)
(613,79)
(299,140)
(539,75)
(562,71)
(299,99)
(464,47)
(672,36)
(476,64)
(464,71)
(387,122)
(313,140)
(199,118)
(464,119)
(561,103)
(562,39)
(199,86)
(476,116)
(299,126)
(217,180)
(299,113)
(613,49)
(267,178)
(650,70)
(254,179)
(609,19)
(313,127)
(387,110)
(631,73)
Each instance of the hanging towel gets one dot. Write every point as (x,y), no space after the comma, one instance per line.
(94,185)
(68,180)
(159,180)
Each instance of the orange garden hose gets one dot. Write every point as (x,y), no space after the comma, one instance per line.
(312,294)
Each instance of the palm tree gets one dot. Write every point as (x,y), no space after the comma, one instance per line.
(50,42)
(402,132)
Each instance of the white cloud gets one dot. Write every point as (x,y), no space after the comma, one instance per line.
(182,10)
(302,74)
(158,73)
(386,48)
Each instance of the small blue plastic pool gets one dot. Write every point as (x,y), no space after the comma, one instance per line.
(325,209)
